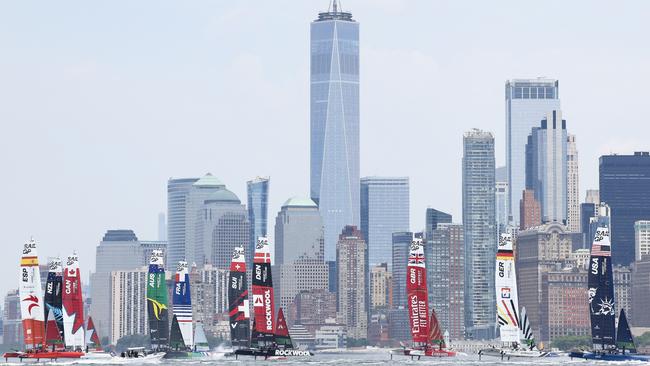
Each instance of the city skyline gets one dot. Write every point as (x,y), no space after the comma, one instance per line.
(106,141)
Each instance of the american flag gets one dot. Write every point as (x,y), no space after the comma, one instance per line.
(598,250)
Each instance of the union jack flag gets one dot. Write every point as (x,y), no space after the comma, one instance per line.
(417,258)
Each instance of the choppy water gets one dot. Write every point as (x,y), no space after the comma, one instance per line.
(364,358)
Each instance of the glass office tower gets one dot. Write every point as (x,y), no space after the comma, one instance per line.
(527,103)
(334,105)
(480,233)
(258,210)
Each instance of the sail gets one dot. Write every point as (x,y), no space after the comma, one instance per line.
(506,289)
(175,336)
(238,307)
(183,304)
(31,297)
(416,287)
(73,306)
(263,305)
(157,300)
(92,338)
(200,340)
(53,338)
(53,302)
(282,337)
(624,340)
(435,332)
(525,329)
(601,290)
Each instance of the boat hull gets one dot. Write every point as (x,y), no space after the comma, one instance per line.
(506,353)
(187,355)
(424,353)
(43,355)
(269,353)
(609,356)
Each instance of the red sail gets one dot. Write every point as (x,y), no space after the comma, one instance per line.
(52,334)
(435,333)
(416,287)
(92,335)
(281,329)
(73,306)
(263,305)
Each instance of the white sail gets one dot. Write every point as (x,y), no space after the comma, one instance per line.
(31,296)
(183,304)
(200,340)
(506,291)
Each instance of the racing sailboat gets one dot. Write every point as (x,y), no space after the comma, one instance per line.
(73,306)
(425,330)
(600,282)
(53,304)
(238,306)
(263,338)
(157,302)
(513,324)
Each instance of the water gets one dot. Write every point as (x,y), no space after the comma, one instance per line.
(362,358)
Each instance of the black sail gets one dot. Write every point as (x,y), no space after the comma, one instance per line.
(624,340)
(53,300)
(238,307)
(601,290)
(175,337)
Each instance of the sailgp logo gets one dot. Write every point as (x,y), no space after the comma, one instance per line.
(28,247)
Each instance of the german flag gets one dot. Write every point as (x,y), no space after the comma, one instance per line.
(504,254)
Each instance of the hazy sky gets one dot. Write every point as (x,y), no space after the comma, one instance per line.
(102,102)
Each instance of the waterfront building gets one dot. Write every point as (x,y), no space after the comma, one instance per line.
(384,211)
(641,239)
(119,250)
(625,187)
(480,233)
(258,209)
(540,250)
(334,120)
(209,291)
(573,188)
(399,328)
(298,276)
(380,286)
(641,293)
(313,307)
(446,277)
(623,289)
(527,102)
(546,166)
(12,325)
(177,194)
(128,303)
(563,307)
(350,256)
(530,211)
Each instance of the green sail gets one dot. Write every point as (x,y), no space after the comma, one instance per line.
(157,305)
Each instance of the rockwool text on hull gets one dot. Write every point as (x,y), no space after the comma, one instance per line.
(268,353)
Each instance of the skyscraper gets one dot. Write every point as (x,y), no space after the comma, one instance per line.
(177,192)
(502,197)
(625,187)
(258,210)
(527,102)
(334,105)
(530,212)
(573,189)
(480,233)
(119,250)
(128,305)
(433,218)
(384,211)
(401,244)
(298,231)
(195,242)
(546,170)
(350,253)
(162,227)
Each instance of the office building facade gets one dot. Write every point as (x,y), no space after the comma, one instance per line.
(258,209)
(334,115)
(573,187)
(128,303)
(298,231)
(350,256)
(177,193)
(530,211)
(625,187)
(641,239)
(433,218)
(480,233)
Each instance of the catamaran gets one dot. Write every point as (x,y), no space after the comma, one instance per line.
(425,329)
(264,336)
(609,344)
(157,302)
(53,306)
(514,326)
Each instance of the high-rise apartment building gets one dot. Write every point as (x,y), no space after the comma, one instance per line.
(480,233)
(573,188)
(334,115)
(433,218)
(209,296)
(546,166)
(563,307)
(119,250)
(641,239)
(380,286)
(177,193)
(128,303)
(446,277)
(527,102)
(258,209)
(350,256)
(625,187)
(297,276)
(530,211)
(384,211)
